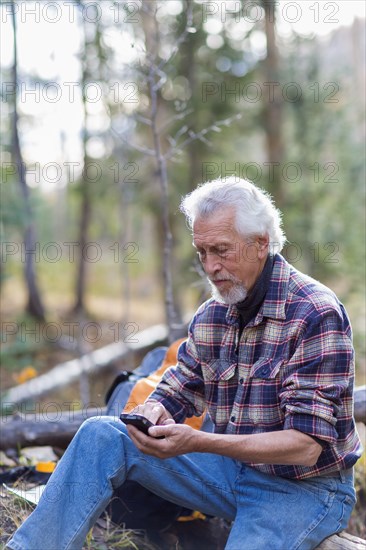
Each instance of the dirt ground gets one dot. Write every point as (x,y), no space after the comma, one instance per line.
(203,534)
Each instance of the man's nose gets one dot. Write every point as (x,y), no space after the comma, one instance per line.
(212,264)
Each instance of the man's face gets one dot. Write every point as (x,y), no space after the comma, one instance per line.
(231,262)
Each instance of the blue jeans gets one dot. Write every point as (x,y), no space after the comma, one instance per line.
(269,513)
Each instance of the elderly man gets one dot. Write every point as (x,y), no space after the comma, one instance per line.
(270,356)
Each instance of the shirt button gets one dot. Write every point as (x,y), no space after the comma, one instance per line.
(232,419)
(241,380)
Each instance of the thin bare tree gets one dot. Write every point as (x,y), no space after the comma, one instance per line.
(273,108)
(34,306)
(91,35)
(154,73)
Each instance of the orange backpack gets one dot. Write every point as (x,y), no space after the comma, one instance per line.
(144,387)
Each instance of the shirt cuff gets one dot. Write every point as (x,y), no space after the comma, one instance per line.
(321,442)
(316,427)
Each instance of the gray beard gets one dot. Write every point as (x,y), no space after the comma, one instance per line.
(236,294)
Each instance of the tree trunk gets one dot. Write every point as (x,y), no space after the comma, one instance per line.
(34,305)
(154,74)
(273,106)
(85,211)
(194,149)
(85,216)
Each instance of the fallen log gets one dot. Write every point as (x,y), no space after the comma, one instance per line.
(360,404)
(342,541)
(50,427)
(55,427)
(66,373)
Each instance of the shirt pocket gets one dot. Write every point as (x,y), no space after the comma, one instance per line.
(220,384)
(264,408)
(266,368)
(218,370)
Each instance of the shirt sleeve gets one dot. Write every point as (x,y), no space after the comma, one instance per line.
(181,389)
(319,377)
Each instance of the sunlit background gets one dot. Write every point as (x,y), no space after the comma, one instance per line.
(50,41)
(280,103)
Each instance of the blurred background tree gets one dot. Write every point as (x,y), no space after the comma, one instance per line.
(107,156)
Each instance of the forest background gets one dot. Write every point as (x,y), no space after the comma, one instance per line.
(111,111)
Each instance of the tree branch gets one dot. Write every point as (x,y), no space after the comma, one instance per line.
(177,148)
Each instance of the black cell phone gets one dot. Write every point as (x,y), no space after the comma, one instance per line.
(141,423)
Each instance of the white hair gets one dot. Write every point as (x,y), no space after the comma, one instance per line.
(256,213)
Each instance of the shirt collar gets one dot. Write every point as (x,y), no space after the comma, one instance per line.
(275,301)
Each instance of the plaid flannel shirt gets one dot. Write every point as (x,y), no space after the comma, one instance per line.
(292,368)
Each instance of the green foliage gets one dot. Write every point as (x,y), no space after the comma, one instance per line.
(12,210)
(20,350)
(323,209)
(324,212)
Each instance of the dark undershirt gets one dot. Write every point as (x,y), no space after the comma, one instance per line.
(249,307)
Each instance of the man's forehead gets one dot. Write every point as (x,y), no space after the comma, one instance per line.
(213,230)
(223,219)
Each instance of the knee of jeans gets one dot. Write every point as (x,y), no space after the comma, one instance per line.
(106,431)
(96,426)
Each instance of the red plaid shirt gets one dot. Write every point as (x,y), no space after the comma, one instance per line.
(292,368)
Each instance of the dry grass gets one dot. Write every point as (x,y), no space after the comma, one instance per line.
(104,535)
(13,512)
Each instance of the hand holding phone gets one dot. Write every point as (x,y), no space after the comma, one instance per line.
(139,421)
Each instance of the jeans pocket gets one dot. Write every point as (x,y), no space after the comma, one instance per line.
(346,507)
(322,489)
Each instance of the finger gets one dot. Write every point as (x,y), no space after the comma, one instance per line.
(133,432)
(168,421)
(145,443)
(161,430)
(156,412)
(139,439)
(130,407)
(137,410)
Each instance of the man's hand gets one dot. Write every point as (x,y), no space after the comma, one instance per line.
(178,439)
(155,412)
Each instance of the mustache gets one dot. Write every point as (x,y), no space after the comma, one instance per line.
(224,277)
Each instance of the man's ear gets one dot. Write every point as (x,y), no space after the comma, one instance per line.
(263,244)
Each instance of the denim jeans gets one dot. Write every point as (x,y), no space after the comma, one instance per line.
(269,513)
